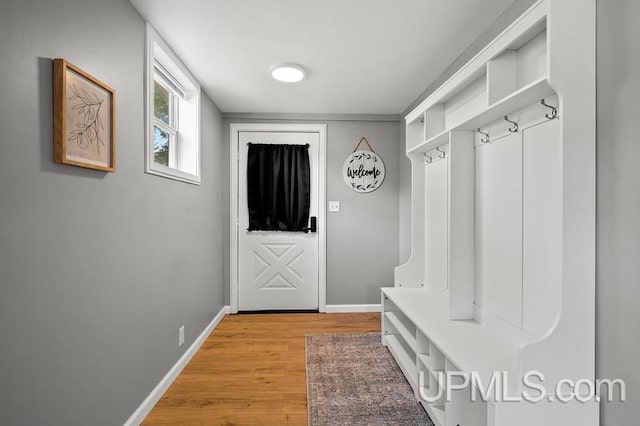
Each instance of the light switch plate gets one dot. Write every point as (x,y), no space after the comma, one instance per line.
(334,206)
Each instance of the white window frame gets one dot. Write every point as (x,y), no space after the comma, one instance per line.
(165,67)
(172,127)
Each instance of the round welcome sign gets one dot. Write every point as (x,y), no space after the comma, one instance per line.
(363,171)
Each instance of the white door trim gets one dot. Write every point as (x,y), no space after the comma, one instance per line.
(234,130)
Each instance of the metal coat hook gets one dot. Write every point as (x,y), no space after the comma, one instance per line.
(485,139)
(428,158)
(442,152)
(513,129)
(554,110)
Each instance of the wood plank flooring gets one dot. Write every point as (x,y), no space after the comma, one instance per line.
(251,371)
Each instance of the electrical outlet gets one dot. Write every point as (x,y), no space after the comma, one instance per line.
(334,206)
(181,336)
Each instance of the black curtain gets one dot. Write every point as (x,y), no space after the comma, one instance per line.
(278,187)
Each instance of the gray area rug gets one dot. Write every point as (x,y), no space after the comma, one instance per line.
(353,380)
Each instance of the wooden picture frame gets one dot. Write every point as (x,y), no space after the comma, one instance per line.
(83,119)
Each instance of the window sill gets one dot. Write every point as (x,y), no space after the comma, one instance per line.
(174,174)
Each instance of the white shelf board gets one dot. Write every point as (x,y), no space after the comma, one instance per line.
(397,323)
(515,101)
(470,345)
(407,365)
(432,143)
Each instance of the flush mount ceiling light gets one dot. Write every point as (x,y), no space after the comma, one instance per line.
(288,73)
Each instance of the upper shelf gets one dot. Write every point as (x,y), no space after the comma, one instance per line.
(509,74)
(523,97)
(509,61)
(440,139)
(527,95)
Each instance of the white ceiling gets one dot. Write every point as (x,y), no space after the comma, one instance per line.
(362,56)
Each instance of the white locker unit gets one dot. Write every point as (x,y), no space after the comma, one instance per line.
(501,277)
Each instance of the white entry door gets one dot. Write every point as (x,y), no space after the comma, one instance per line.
(277,270)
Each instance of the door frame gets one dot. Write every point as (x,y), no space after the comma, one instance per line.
(234,130)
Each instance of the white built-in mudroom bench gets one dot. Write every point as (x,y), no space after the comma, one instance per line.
(501,276)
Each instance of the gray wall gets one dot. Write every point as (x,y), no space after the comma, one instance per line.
(97,270)
(618,193)
(362,239)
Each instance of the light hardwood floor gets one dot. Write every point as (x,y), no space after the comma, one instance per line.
(251,371)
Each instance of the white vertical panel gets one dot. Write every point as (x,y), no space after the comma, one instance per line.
(433,121)
(436,232)
(499,228)
(414,134)
(502,76)
(461,225)
(542,223)
(469,101)
(532,60)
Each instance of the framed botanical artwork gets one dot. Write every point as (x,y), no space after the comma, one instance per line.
(83,119)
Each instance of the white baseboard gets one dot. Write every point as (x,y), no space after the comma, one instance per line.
(353,308)
(150,401)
